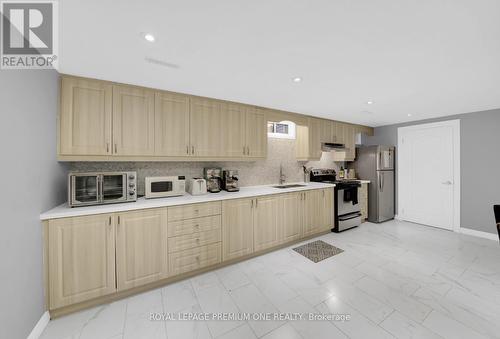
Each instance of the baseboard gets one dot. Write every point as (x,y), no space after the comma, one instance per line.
(480,234)
(40,326)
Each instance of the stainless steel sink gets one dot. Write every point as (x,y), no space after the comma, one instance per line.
(289,186)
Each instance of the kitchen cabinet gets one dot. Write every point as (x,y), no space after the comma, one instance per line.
(237,228)
(346,134)
(85,117)
(206,132)
(363,201)
(141,247)
(308,140)
(318,211)
(326,131)
(293,216)
(105,121)
(232,130)
(268,222)
(256,133)
(172,125)
(312,209)
(81,259)
(133,121)
(326,212)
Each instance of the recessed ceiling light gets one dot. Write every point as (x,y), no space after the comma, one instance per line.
(149,37)
(369,102)
(409,114)
(297,79)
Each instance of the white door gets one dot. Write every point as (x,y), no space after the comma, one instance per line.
(429,174)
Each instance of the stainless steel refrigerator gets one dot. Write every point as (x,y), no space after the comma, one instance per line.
(376,163)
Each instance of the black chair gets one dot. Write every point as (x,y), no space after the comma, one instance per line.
(496,208)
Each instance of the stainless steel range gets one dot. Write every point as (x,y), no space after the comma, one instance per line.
(347,210)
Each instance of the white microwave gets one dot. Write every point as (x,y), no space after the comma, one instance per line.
(161,187)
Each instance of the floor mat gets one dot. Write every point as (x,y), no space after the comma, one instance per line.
(318,250)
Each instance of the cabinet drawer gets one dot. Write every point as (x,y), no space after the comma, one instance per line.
(195,258)
(193,211)
(176,228)
(193,240)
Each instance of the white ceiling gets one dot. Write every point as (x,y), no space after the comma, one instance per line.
(423,57)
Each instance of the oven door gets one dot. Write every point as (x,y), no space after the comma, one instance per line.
(114,188)
(84,189)
(345,207)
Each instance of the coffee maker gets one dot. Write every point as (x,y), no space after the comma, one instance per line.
(230,180)
(213,176)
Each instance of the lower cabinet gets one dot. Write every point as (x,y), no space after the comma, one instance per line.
(318,211)
(268,222)
(363,201)
(81,259)
(237,228)
(293,216)
(141,247)
(93,256)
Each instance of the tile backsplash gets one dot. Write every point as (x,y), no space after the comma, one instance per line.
(260,172)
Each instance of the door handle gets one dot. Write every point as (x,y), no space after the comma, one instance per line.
(447,182)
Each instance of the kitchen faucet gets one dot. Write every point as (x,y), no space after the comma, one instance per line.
(282,176)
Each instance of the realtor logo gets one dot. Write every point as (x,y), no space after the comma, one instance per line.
(28,39)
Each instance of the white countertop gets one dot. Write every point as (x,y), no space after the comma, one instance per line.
(64,211)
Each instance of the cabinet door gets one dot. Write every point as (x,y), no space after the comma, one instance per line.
(314,139)
(256,133)
(326,131)
(205,131)
(350,142)
(133,121)
(292,216)
(268,222)
(326,211)
(171,124)
(302,142)
(81,259)
(141,248)
(85,117)
(312,211)
(363,201)
(233,130)
(237,228)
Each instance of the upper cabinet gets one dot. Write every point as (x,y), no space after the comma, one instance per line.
(104,121)
(85,117)
(133,121)
(172,125)
(256,133)
(206,130)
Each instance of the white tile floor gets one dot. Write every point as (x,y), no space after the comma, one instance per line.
(394,279)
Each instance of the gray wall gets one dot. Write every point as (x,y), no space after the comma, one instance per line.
(32,181)
(479,161)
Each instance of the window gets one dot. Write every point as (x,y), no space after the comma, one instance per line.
(281,130)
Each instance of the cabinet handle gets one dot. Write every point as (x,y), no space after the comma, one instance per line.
(244,150)
(256,203)
(187,149)
(116,149)
(107,147)
(109,221)
(252,203)
(118,220)
(192,149)
(248,150)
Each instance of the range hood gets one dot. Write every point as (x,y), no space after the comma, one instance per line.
(332,146)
